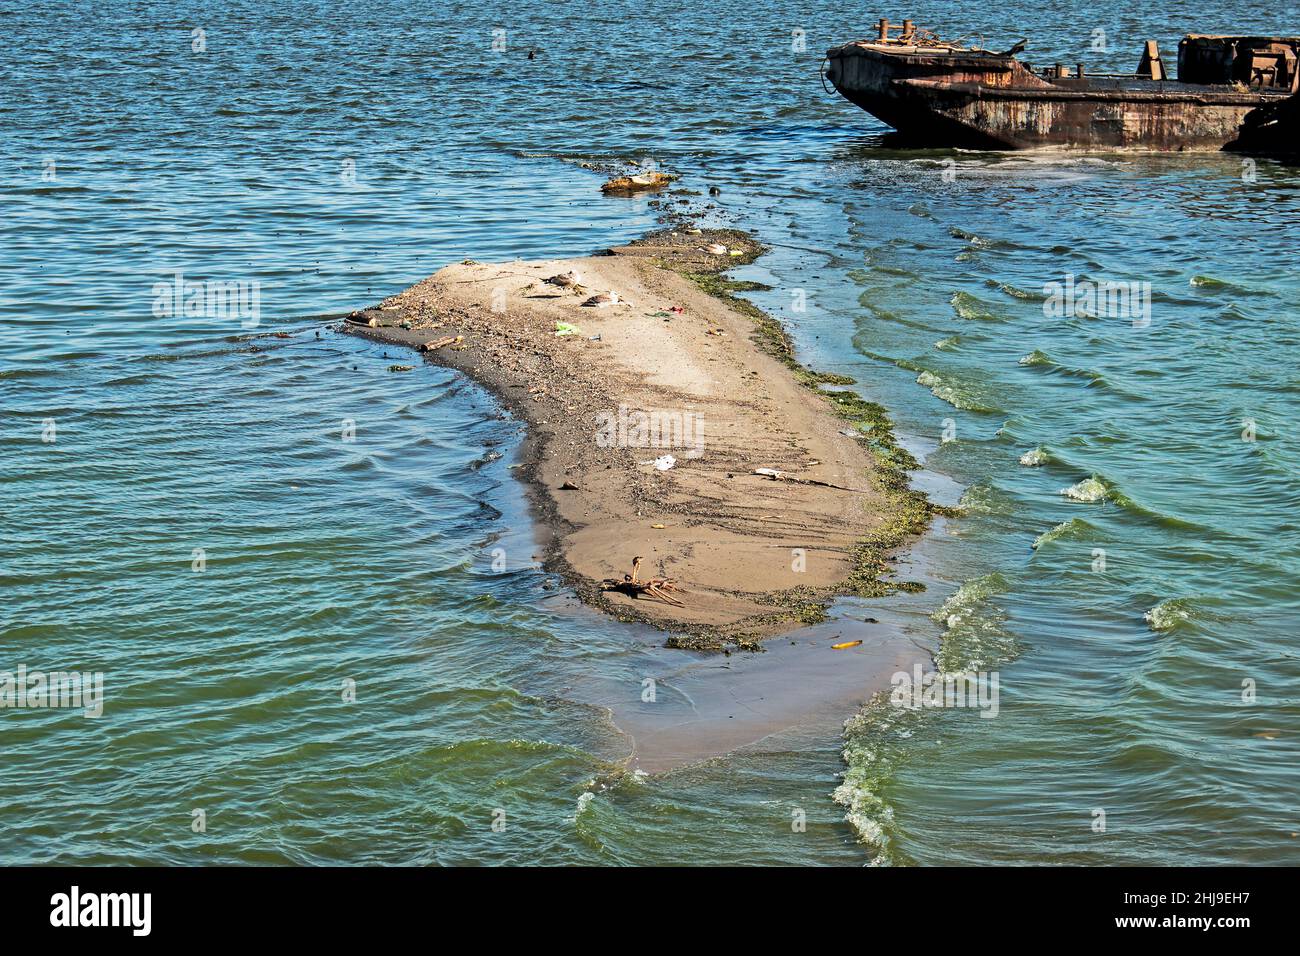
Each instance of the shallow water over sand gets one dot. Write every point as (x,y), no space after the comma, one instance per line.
(335,158)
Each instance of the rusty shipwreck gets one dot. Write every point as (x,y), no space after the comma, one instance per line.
(943,94)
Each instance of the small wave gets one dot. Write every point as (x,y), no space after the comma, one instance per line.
(985,499)
(975,637)
(970,595)
(1035,457)
(1071,530)
(975,240)
(974,309)
(877,737)
(953,394)
(1040,359)
(1089,490)
(1168,615)
(1014,292)
(1223,285)
(873,754)
(584,802)
(1097,488)
(866,300)
(128,380)
(1036,357)
(12,373)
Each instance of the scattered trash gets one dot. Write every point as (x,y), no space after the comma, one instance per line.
(564,328)
(633,586)
(850,433)
(594,338)
(664,462)
(694,232)
(658,527)
(657,315)
(736,252)
(678,309)
(404,324)
(638,183)
(400,368)
(441,343)
(840,647)
(714,332)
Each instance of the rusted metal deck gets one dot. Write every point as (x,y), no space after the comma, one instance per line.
(936,93)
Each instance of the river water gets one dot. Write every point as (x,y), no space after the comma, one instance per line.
(280,555)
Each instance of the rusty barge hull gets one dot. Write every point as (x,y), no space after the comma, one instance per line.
(981,100)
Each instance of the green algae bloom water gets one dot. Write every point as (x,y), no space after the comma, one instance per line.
(310,585)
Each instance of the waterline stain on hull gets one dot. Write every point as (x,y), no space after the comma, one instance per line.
(981,100)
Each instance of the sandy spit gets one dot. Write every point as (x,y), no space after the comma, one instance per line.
(666,370)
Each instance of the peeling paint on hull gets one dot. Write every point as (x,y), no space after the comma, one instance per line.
(986,101)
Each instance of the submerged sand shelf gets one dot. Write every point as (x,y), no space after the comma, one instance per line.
(666,370)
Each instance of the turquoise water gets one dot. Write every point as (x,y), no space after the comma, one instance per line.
(347,517)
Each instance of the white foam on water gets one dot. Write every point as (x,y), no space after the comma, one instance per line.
(1088,490)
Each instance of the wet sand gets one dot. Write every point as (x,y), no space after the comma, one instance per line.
(751,558)
(667,370)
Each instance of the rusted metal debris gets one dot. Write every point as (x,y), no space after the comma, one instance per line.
(633,586)
(946,94)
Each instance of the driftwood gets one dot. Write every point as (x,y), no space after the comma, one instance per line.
(441,343)
(772,474)
(633,586)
